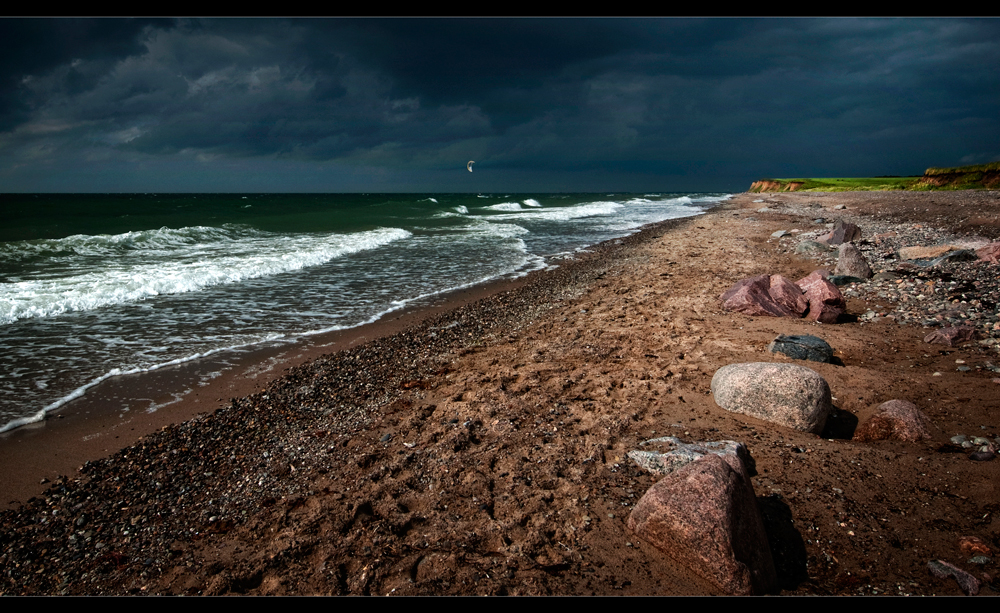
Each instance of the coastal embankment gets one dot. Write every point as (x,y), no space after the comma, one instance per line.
(484,448)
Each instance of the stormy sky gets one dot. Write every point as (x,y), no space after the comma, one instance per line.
(377,105)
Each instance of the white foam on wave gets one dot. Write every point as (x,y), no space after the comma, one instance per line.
(461,209)
(114,372)
(532,202)
(590,209)
(168,261)
(505,206)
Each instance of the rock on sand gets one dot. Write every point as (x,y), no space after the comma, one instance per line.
(896,420)
(786,394)
(705,516)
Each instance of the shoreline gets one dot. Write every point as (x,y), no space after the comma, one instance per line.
(483,450)
(87,428)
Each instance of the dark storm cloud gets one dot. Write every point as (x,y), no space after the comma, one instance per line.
(648,97)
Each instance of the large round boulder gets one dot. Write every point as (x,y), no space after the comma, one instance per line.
(786,394)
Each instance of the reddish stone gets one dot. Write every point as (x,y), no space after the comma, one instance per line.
(974,546)
(826,303)
(989,253)
(943,570)
(896,420)
(951,336)
(705,516)
(770,295)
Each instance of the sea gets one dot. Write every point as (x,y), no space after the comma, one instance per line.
(94,286)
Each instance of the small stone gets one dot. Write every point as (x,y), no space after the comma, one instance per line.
(679,454)
(973,545)
(924,253)
(943,570)
(982,456)
(951,336)
(811,247)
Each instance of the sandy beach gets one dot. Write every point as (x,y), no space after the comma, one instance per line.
(480,446)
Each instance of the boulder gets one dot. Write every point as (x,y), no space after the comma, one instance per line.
(989,253)
(802,347)
(668,454)
(851,262)
(952,336)
(843,232)
(705,516)
(771,295)
(826,303)
(895,420)
(789,395)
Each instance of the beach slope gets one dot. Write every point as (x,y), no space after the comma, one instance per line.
(484,450)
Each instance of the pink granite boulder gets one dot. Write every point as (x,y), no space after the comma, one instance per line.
(826,303)
(952,336)
(895,420)
(789,395)
(771,295)
(705,516)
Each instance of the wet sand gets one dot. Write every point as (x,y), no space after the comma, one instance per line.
(483,450)
(93,426)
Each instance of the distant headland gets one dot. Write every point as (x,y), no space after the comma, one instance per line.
(980,176)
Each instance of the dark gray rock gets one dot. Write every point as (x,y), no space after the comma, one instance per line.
(842,280)
(843,232)
(802,347)
(851,262)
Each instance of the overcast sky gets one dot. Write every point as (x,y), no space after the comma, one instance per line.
(348,105)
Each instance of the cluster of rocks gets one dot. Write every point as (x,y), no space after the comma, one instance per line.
(813,297)
(912,273)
